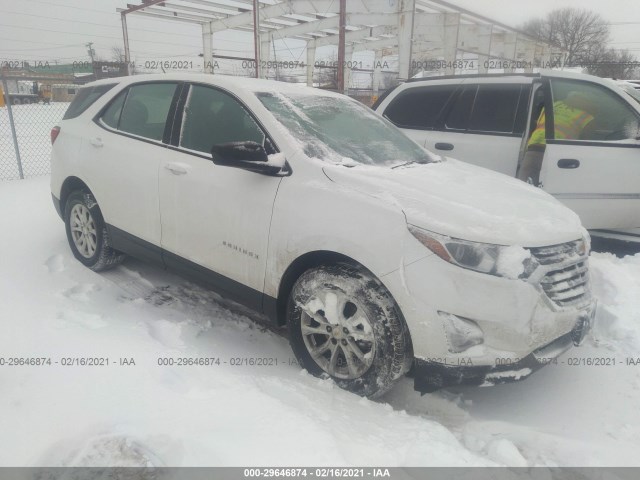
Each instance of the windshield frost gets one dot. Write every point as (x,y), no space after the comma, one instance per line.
(341,130)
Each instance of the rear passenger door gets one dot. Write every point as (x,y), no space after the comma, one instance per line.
(484,125)
(125,147)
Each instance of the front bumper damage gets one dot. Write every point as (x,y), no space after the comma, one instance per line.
(430,376)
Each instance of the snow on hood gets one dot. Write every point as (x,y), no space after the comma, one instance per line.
(468,202)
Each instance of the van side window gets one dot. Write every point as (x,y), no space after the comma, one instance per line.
(144,112)
(212,117)
(495,108)
(587,111)
(458,117)
(419,108)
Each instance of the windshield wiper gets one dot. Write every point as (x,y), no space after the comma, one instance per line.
(421,162)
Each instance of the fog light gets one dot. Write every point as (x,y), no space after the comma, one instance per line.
(462,333)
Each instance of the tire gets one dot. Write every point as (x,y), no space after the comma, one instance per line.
(368,319)
(87,233)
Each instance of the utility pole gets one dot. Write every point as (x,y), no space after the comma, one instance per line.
(90,50)
(125,37)
(341,40)
(275,59)
(256,35)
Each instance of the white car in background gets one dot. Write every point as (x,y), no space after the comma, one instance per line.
(311,209)
(486,120)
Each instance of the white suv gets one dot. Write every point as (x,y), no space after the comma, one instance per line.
(490,120)
(310,208)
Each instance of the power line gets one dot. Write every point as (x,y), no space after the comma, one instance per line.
(112,26)
(91,35)
(58,45)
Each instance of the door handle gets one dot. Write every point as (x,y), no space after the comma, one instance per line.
(568,163)
(444,146)
(96,142)
(175,168)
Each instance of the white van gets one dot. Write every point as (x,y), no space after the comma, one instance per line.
(487,120)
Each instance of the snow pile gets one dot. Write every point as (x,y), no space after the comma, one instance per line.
(149,414)
(617,286)
(511,261)
(247,414)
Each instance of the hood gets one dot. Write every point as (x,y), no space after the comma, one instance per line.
(468,202)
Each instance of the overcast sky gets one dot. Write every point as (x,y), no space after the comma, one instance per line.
(58,29)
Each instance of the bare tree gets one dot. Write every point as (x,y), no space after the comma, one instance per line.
(581,33)
(610,63)
(117,54)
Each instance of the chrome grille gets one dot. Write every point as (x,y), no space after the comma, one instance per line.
(566,281)
(559,253)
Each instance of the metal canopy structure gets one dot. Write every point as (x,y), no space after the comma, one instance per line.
(410,29)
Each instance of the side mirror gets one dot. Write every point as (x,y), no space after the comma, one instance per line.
(249,156)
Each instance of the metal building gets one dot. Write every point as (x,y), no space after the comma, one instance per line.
(412,29)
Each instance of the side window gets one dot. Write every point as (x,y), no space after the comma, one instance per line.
(111,115)
(212,117)
(419,107)
(495,108)
(587,111)
(145,109)
(84,98)
(458,116)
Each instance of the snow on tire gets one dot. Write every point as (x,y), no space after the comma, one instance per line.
(344,323)
(87,233)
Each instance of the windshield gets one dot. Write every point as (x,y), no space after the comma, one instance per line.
(341,130)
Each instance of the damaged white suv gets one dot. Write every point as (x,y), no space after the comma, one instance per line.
(309,208)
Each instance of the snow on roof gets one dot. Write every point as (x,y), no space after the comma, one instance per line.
(224,81)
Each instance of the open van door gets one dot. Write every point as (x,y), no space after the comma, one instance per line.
(595,172)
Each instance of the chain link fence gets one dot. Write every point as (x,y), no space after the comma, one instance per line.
(32,107)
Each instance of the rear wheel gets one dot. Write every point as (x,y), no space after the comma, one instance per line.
(344,323)
(87,233)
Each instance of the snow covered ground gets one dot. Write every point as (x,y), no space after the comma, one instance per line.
(233,415)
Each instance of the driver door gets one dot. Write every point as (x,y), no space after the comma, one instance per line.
(598,174)
(215,219)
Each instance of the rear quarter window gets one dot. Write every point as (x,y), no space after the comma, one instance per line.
(85,97)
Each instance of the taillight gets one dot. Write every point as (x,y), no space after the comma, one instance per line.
(55,131)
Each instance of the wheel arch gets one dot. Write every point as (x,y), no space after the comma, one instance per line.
(71,184)
(310,260)
(298,267)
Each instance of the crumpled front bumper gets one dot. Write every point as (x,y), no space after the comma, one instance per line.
(432,376)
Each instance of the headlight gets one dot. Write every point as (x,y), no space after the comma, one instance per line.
(499,260)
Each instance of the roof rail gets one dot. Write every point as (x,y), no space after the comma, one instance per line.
(474,75)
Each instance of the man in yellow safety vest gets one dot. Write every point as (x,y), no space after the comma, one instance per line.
(570,118)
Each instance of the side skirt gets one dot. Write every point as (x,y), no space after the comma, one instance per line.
(225,286)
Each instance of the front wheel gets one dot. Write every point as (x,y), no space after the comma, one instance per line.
(344,323)
(87,233)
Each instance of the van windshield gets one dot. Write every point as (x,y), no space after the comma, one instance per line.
(342,131)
